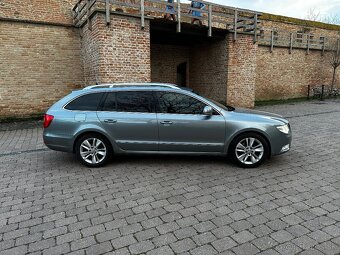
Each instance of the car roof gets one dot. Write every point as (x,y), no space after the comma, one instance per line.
(126,86)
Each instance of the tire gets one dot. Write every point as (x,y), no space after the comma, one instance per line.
(249,150)
(93,150)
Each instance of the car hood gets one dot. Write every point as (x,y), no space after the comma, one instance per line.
(268,114)
(261,114)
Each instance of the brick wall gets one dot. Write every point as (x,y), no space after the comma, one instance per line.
(55,11)
(280,75)
(241,71)
(208,69)
(164,62)
(39,64)
(116,53)
(90,45)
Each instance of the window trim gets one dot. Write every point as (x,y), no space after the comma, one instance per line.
(156,108)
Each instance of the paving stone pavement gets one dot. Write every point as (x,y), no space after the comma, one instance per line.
(50,204)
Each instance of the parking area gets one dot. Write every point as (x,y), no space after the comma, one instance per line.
(50,204)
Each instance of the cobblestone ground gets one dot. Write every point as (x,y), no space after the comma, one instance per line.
(50,204)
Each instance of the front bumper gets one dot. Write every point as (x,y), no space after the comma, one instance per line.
(281,143)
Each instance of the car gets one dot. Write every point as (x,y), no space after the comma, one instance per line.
(111,119)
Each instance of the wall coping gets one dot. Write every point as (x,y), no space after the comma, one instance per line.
(36,22)
(301,22)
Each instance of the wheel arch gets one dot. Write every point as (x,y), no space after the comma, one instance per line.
(87,132)
(256,131)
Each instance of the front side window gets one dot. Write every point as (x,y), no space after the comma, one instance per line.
(129,101)
(170,102)
(87,102)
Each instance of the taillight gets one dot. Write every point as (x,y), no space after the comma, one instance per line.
(47,120)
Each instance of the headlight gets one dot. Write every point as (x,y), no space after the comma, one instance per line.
(284,128)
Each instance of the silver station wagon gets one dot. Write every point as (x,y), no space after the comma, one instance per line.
(104,120)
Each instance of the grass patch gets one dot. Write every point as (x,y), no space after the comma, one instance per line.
(30,117)
(282,101)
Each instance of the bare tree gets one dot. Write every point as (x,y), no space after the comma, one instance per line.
(332,19)
(335,63)
(314,15)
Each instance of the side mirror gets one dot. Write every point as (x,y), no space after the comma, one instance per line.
(208,110)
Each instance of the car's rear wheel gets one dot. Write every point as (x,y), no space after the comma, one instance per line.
(249,150)
(93,150)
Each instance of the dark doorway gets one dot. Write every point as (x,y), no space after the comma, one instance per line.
(182,74)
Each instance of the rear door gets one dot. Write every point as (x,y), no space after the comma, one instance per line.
(130,118)
(183,127)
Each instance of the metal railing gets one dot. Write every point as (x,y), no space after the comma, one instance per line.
(212,15)
(297,40)
(322,91)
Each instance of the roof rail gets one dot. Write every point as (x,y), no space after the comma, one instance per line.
(113,85)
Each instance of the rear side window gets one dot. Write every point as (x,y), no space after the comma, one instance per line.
(87,102)
(110,102)
(129,101)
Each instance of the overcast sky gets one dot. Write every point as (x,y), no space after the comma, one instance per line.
(291,8)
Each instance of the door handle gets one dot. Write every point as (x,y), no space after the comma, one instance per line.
(166,122)
(109,121)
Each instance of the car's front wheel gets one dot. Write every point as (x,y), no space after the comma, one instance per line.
(249,150)
(93,150)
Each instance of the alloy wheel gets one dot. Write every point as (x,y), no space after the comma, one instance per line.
(249,151)
(93,151)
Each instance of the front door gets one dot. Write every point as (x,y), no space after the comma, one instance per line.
(183,127)
(130,118)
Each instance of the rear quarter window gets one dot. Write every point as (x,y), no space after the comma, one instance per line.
(87,102)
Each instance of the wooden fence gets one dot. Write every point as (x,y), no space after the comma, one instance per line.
(235,20)
(297,40)
(212,15)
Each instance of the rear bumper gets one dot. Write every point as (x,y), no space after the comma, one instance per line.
(58,143)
